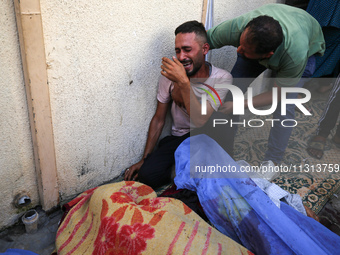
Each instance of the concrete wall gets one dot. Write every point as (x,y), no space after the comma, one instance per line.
(103,60)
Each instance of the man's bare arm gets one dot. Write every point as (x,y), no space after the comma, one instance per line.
(155,130)
(260,100)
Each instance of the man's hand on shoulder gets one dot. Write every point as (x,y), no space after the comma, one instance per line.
(226,107)
(174,71)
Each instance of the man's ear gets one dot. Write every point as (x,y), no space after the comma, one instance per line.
(206,48)
(269,54)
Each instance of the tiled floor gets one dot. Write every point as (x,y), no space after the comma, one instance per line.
(314,186)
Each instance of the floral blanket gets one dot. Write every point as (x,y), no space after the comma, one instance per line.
(128,218)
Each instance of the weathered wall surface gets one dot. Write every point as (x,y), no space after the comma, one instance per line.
(103,60)
(17,172)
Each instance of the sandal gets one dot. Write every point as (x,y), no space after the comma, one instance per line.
(324,88)
(315,148)
(297,109)
(336,144)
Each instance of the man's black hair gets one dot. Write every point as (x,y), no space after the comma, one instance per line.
(264,32)
(193,27)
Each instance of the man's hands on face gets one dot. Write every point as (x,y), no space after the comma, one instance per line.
(174,71)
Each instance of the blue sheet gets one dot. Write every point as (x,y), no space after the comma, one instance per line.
(241,210)
(18,252)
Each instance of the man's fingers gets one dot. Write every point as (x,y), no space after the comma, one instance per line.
(176,60)
(167,63)
(165,74)
(166,66)
(166,60)
(128,174)
(163,68)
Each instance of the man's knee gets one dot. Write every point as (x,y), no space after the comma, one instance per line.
(144,174)
(151,180)
(153,174)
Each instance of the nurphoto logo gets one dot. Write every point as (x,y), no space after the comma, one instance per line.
(238,105)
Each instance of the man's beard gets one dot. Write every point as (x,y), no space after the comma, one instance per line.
(195,69)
